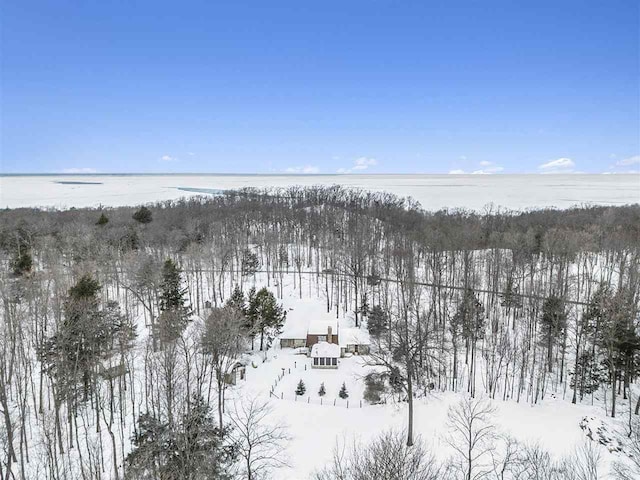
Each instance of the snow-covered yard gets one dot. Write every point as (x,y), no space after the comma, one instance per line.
(553,423)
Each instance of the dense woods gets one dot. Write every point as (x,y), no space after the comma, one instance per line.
(118,324)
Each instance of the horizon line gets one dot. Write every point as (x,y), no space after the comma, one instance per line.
(292,174)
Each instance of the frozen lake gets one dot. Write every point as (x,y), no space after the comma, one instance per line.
(432,191)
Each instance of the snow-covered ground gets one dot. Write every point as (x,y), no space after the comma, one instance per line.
(553,423)
(432,191)
(315,425)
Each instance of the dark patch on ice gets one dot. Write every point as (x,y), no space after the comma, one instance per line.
(75,182)
(211,191)
(436,185)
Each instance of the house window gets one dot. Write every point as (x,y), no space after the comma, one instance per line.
(321,360)
(322,338)
(315,361)
(334,361)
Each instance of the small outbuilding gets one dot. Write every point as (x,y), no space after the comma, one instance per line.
(355,341)
(238,372)
(325,355)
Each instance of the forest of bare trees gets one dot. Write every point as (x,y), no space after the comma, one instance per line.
(118,324)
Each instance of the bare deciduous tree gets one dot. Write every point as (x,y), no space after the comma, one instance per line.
(223,339)
(471,436)
(260,442)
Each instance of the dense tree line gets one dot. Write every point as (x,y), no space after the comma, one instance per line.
(112,317)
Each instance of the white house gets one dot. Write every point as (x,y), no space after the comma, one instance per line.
(325,355)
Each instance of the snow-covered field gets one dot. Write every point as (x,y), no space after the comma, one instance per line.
(432,191)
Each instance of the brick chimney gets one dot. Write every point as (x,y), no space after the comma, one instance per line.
(329,334)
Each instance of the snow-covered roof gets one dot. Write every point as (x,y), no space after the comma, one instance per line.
(354,336)
(294,328)
(295,325)
(320,327)
(325,349)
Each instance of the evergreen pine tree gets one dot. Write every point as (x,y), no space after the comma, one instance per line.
(265,316)
(343,394)
(250,263)
(301,388)
(103,220)
(322,390)
(364,304)
(237,300)
(194,449)
(23,262)
(143,215)
(553,323)
(174,310)
(88,334)
(377,321)
(471,316)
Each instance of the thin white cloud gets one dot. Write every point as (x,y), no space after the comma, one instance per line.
(561,165)
(360,164)
(488,171)
(488,168)
(168,158)
(191,154)
(303,169)
(627,162)
(80,170)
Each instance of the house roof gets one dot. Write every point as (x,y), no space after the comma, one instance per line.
(325,349)
(294,328)
(354,336)
(295,325)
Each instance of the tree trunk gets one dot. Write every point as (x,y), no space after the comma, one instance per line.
(220,382)
(613,395)
(410,400)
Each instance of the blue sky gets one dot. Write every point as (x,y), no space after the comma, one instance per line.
(320,86)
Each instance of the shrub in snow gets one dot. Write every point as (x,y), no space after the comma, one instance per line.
(301,388)
(322,390)
(386,456)
(343,392)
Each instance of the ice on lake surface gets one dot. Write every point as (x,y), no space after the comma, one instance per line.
(432,191)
